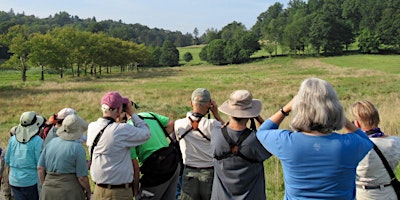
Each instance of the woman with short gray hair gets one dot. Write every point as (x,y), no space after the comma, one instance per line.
(317,162)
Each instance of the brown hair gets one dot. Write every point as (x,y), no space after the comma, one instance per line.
(366,113)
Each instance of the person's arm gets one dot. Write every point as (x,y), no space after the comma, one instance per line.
(41,173)
(279,116)
(84,181)
(214,110)
(136,176)
(259,119)
(170,126)
(349,127)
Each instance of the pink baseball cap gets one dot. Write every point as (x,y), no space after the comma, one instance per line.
(113,100)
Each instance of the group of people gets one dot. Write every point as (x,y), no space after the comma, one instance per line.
(148,155)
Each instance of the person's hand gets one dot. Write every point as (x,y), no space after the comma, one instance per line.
(129,109)
(288,107)
(214,107)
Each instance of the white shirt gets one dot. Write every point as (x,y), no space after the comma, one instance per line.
(111,162)
(372,172)
(196,150)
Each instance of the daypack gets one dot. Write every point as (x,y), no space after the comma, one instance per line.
(161,165)
(235,146)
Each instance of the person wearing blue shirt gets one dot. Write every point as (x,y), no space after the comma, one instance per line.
(62,166)
(317,162)
(22,156)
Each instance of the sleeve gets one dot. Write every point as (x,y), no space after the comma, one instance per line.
(81,165)
(42,159)
(38,148)
(365,144)
(135,135)
(8,152)
(271,138)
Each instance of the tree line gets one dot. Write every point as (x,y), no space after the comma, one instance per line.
(326,27)
(65,48)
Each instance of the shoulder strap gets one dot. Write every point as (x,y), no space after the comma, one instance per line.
(159,123)
(234,146)
(96,140)
(195,126)
(385,162)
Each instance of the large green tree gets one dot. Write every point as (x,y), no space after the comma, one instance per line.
(17,40)
(169,54)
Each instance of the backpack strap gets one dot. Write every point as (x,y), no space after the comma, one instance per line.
(96,140)
(235,146)
(195,127)
(159,123)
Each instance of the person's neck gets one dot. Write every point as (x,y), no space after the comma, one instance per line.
(110,116)
(203,112)
(314,133)
(236,126)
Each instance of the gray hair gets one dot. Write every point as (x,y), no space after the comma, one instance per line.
(317,108)
(107,110)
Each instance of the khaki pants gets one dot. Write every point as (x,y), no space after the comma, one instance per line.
(112,194)
(197,184)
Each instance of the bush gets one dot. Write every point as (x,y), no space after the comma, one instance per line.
(187,57)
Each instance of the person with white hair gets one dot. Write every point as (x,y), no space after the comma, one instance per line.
(62,165)
(22,156)
(317,162)
(109,144)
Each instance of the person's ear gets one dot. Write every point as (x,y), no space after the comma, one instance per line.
(357,123)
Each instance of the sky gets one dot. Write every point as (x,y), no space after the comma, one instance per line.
(173,15)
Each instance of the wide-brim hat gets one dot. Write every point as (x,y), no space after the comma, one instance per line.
(30,124)
(72,127)
(241,105)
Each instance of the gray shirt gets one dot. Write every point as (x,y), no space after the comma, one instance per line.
(236,178)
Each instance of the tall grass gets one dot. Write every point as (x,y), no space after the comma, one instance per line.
(167,91)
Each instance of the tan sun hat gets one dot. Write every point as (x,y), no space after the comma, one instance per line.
(241,105)
(72,127)
(30,124)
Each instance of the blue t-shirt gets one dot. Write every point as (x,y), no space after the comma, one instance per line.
(22,159)
(316,167)
(65,157)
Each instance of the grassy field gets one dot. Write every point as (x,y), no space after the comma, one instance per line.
(167,91)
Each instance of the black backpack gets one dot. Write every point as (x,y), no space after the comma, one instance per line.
(160,166)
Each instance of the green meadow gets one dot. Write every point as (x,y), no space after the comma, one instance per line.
(167,90)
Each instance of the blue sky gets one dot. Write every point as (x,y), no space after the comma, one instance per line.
(174,15)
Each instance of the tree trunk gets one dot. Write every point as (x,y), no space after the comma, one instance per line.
(72,70)
(78,70)
(42,74)
(61,73)
(24,69)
